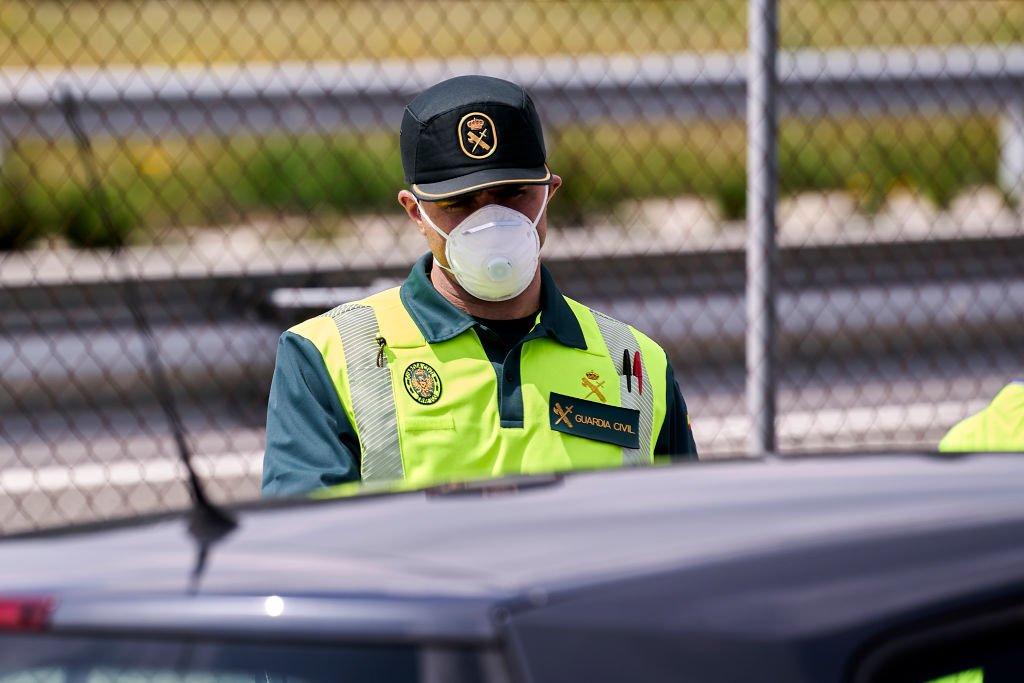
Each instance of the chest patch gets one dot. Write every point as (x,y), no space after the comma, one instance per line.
(423,383)
(595,421)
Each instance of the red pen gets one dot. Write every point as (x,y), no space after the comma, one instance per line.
(638,372)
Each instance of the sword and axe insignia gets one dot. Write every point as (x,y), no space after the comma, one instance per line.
(563,414)
(477,135)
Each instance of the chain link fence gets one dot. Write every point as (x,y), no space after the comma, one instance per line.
(246,158)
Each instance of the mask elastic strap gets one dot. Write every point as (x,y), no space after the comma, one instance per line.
(543,206)
(424,216)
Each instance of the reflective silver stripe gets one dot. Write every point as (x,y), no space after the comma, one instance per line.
(373,401)
(618,337)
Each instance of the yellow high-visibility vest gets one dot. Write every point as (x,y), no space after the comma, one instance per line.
(429,413)
(997,428)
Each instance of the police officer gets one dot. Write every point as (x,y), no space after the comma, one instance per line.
(477,366)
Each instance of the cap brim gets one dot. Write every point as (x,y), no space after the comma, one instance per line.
(481,180)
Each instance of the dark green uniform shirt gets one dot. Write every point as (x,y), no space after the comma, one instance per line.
(310,442)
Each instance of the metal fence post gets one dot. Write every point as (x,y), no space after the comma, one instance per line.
(1011,153)
(762,166)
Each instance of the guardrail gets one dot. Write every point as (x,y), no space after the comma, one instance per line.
(918,294)
(296,97)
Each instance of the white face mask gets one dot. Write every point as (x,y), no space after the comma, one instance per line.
(493,253)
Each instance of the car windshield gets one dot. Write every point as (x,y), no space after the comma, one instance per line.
(55,659)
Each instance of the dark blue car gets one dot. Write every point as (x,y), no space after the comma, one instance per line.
(896,568)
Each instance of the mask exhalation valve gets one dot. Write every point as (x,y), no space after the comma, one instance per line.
(499,268)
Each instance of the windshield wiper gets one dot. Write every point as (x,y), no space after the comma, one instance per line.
(208,523)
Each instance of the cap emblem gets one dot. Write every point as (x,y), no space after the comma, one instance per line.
(477,135)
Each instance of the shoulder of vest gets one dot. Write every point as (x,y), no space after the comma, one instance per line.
(584,314)
(317,329)
(581,309)
(381,302)
(1012,392)
(642,338)
(394,323)
(387,298)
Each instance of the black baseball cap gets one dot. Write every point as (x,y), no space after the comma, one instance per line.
(470,133)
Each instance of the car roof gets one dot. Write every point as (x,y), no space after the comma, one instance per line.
(732,538)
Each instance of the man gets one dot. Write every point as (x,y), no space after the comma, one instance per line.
(476,366)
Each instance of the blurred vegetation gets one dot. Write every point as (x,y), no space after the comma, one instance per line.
(154,187)
(38,33)
(867,158)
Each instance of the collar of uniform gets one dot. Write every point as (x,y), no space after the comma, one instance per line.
(440,321)
(556,316)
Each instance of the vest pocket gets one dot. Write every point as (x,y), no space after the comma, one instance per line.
(428,424)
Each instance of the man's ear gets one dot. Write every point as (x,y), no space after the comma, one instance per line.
(412,209)
(556,182)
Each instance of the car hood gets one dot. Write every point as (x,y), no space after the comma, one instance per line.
(583,530)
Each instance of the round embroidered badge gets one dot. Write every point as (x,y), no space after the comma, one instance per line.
(423,383)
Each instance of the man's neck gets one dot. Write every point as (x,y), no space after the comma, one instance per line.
(521,306)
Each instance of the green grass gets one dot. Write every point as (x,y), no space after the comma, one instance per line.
(869,158)
(158,187)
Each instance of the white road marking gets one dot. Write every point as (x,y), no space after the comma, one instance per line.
(918,422)
(128,473)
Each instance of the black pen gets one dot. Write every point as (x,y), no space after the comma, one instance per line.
(627,370)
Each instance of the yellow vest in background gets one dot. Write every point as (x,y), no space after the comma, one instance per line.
(997,428)
(428,413)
